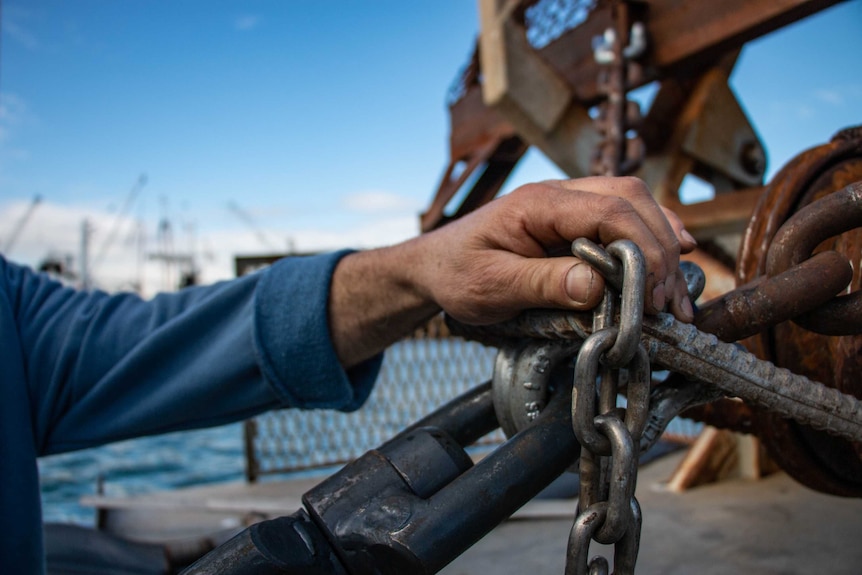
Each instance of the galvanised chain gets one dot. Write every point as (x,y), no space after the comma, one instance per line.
(610,437)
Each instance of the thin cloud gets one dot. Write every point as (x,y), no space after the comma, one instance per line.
(21,35)
(378,202)
(814,103)
(804,111)
(121,249)
(126,262)
(832,97)
(13,111)
(793,109)
(247,22)
(366,234)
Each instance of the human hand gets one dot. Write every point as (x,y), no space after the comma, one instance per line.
(493,263)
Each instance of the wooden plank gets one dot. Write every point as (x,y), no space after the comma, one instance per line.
(514,75)
(725,214)
(712,457)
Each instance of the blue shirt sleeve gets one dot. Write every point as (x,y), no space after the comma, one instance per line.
(103,367)
(294,341)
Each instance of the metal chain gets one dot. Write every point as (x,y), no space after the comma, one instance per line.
(619,152)
(610,437)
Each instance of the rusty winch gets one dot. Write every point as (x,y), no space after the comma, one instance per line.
(812,207)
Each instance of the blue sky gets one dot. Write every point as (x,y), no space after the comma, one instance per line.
(325,121)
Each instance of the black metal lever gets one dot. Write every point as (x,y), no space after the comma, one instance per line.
(414,504)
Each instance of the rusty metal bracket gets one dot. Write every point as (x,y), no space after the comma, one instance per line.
(768,301)
(797,239)
(543,95)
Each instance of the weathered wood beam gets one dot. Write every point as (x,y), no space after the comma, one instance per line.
(725,214)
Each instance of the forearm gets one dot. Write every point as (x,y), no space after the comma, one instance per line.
(377,298)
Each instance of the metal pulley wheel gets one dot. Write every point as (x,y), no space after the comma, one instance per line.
(832,353)
(522,380)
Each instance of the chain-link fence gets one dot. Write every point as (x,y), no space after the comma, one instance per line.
(418,375)
(547,20)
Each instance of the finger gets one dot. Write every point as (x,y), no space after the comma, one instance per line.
(665,262)
(555,216)
(638,194)
(680,302)
(583,287)
(687,243)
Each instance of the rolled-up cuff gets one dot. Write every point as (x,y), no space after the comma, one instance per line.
(293,342)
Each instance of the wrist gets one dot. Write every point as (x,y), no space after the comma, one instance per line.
(377,297)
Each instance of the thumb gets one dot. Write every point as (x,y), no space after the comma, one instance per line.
(562,282)
(583,285)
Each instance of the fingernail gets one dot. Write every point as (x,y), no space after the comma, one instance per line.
(579,282)
(658,296)
(687,310)
(688,237)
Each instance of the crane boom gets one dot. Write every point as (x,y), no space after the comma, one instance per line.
(249,221)
(118,220)
(22,222)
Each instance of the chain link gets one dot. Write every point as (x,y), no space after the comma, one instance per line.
(608,511)
(620,150)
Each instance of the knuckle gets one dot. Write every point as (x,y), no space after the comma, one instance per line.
(634,185)
(514,202)
(537,284)
(613,207)
(523,193)
(673,247)
(656,259)
(481,295)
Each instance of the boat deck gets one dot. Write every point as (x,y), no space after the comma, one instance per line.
(771,526)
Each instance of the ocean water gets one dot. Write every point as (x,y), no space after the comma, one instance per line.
(138,466)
